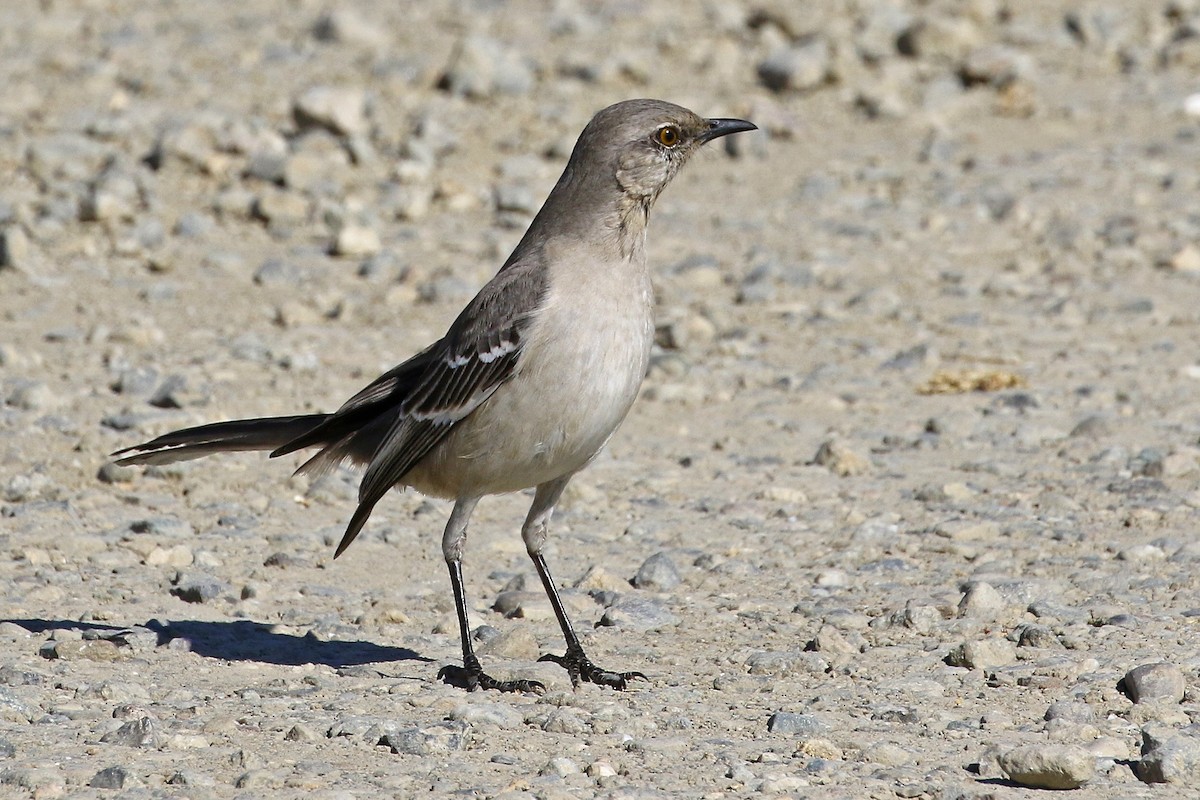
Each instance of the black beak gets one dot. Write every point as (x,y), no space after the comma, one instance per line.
(723,127)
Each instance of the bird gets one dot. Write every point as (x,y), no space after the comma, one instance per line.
(530,380)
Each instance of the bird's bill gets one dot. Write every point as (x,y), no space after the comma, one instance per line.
(722,126)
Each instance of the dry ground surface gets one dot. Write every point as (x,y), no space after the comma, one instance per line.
(911,487)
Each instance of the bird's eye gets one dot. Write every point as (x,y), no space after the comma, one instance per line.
(667,136)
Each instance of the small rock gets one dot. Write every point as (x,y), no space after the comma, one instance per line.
(110,778)
(340,110)
(980,601)
(1048,766)
(1170,756)
(345,26)
(561,767)
(517,643)
(964,530)
(92,650)
(14,709)
(431,740)
(141,732)
(840,459)
(562,720)
(34,396)
(597,578)
(1071,711)
(997,65)
(796,724)
(1160,682)
(301,733)
(179,555)
(198,588)
(802,66)
(887,754)
(831,640)
(14,248)
(939,38)
(1034,635)
(657,574)
(1185,260)
(983,654)
(818,747)
(519,604)
(356,241)
(497,715)
(639,614)
(483,66)
(280,209)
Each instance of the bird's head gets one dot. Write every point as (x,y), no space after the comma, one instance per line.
(645,142)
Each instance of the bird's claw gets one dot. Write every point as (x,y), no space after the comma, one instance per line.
(471,680)
(580,668)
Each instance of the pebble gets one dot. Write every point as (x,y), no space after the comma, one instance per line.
(447,737)
(356,241)
(1187,259)
(1071,711)
(34,396)
(939,37)
(560,766)
(1048,766)
(497,715)
(796,724)
(277,272)
(830,640)
(983,654)
(657,574)
(597,578)
(997,65)
(141,732)
(483,66)
(561,720)
(1155,683)
(639,614)
(981,601)
(94,650)
(797,67)
(14,248)
(280,209)
(516,643)
(348,26)
(339,109)
(15,709)
(839,459)
(110,778)
(1170,755)
(520,604)
(198,587)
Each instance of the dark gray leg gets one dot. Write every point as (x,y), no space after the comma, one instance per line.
(574,661)
(470,675)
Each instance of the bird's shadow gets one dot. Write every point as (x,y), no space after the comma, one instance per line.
(238,640)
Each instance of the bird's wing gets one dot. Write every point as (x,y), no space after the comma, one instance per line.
(458,374)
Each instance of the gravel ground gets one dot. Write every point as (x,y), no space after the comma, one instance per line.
(907,508)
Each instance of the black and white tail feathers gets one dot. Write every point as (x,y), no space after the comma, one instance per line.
(264,433)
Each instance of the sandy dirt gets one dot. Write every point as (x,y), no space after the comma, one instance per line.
(909,496)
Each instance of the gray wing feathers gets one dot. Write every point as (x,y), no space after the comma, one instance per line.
(474,359)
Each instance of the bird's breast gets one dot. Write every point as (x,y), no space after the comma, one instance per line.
(584,355)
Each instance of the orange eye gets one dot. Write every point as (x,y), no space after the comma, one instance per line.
(667,136)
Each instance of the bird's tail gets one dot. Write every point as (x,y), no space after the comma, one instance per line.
(265,433)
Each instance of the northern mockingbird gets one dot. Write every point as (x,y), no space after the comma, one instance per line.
(529,382)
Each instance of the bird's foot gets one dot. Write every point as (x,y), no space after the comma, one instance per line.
(472,679)
(580,668)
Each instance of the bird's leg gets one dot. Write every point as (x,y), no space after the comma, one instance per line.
(574,661)
(470,675)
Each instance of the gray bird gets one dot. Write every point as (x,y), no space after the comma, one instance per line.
(529,382)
